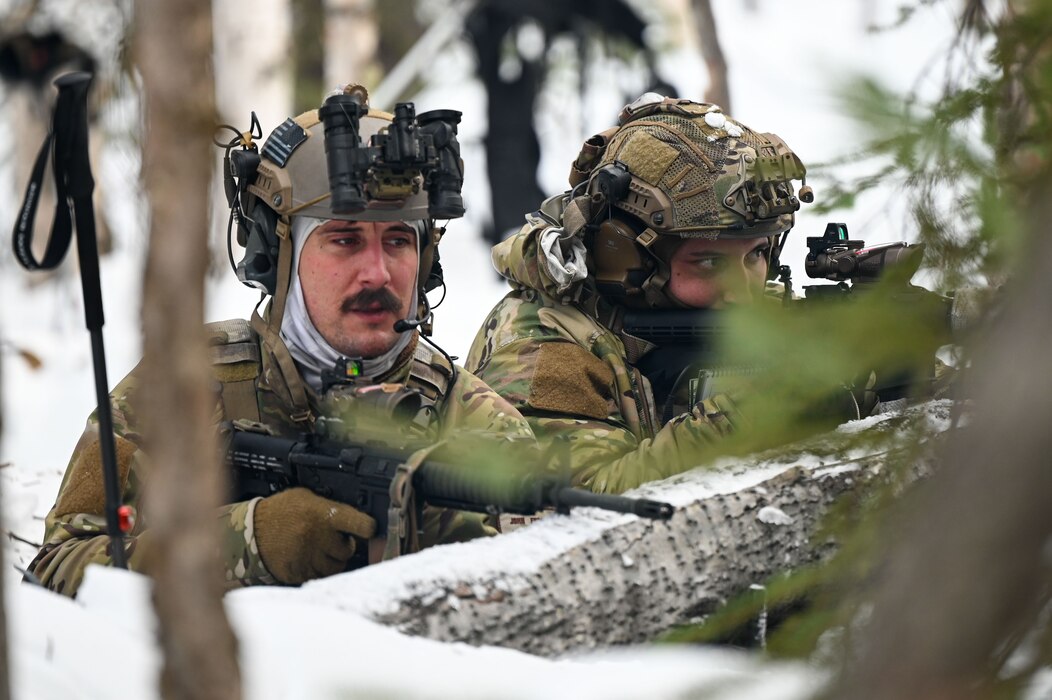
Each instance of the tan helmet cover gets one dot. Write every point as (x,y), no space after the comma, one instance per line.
(301,186)
(697,173)
(694,173)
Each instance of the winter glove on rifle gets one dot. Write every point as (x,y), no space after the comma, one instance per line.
(770,403)
(302,536)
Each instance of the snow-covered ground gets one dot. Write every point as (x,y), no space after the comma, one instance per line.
(292,649)
(784,60)
(309,628)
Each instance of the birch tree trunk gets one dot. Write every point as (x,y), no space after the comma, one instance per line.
(351,39)
(253,73)
(252,67)
(596,579)
(708,38)
(173,47)
(639,579)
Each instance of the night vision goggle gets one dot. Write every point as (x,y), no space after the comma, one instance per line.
(414,151)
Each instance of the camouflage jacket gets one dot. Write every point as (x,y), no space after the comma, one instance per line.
(253,388)
(544,350)
(571,376)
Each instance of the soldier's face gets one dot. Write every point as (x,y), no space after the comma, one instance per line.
(714,274)
(357,279)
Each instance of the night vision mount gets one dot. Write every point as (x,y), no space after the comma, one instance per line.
(413,148)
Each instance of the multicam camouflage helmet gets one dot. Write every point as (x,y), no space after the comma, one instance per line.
(681,169)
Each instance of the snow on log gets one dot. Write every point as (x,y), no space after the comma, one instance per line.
(594,579)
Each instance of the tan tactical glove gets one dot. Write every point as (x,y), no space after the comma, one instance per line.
(302,536)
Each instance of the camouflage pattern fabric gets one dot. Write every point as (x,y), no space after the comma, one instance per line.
(543,349)
(570,376)
(707,174)
(76,526)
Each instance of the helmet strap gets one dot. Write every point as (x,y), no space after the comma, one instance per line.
(428,251)
(281,291)
(775,254)
(428,265)
(660,249)
(270,330)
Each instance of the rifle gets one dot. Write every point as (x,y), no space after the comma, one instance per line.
(687,340)
(836,257)
(374,480)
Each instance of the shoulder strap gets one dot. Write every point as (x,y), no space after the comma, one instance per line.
(430,373)
(297,389)
(236,363)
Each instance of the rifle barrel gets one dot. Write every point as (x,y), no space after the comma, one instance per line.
(645,508)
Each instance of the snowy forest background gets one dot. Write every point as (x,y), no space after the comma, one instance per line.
(846,84)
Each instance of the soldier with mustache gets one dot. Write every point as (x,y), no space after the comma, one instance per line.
(347,291)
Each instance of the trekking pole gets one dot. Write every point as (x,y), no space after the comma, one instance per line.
(73,188)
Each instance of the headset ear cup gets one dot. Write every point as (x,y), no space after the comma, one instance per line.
(620,265)
(430,271)
(258,268)
(435,277)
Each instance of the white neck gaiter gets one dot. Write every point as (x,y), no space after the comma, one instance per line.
(308,348)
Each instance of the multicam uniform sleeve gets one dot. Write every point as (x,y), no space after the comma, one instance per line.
(567,392)
(475,407)
(75,528)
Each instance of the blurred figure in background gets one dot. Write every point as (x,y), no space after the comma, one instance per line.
(513,152)
(29,62)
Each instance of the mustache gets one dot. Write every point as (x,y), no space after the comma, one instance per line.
(366,298)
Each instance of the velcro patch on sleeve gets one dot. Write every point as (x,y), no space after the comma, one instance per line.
(84,491)
(647,157)
(570,380)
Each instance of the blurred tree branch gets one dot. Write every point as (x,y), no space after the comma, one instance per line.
(719,89)
(968,572)
(968,569)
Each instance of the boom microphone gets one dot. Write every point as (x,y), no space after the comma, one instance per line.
(405,324)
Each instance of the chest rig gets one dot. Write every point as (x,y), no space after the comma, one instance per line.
(243,378)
